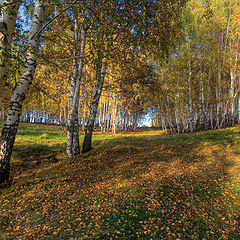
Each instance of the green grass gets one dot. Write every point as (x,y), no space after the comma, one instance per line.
(139,185)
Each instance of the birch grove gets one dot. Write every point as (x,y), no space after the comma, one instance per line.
(105,70)
(211,80)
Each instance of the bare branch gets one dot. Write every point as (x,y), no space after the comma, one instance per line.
(62,30)
(67,59)
(56,65)
(48,76)
(49,22)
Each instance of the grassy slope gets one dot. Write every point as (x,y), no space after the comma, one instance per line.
(131,186)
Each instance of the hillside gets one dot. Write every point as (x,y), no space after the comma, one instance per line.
(139,185)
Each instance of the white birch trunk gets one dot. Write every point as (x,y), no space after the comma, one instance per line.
(208,109)
(218,100)
(103,119)
(233,75)
(8,16)
(189,83)
(108,117)
(190,98)
(176,111)
(9,130)
(114,114)
(72,147)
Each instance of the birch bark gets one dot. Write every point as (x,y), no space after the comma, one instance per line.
(233,75)
(8,16)
(73,147)
(176,113)
(190,98)
(10,127)
(189,83)
(218,90)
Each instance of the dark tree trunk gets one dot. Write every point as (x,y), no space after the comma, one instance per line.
(100,75)
(7,142)
(87,144)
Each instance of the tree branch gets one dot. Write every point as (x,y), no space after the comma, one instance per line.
(67,59)
(48,76)
(64,10)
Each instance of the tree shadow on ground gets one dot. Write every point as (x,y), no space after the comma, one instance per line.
(161,190)
(33,156)
(133,188)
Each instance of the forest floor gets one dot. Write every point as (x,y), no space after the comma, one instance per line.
(139,185)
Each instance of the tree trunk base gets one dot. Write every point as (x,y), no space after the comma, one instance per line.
(87,143)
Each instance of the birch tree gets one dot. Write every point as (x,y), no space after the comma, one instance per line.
(10,127)
(73,147)
(8,16)
(100,75)
(109,26)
